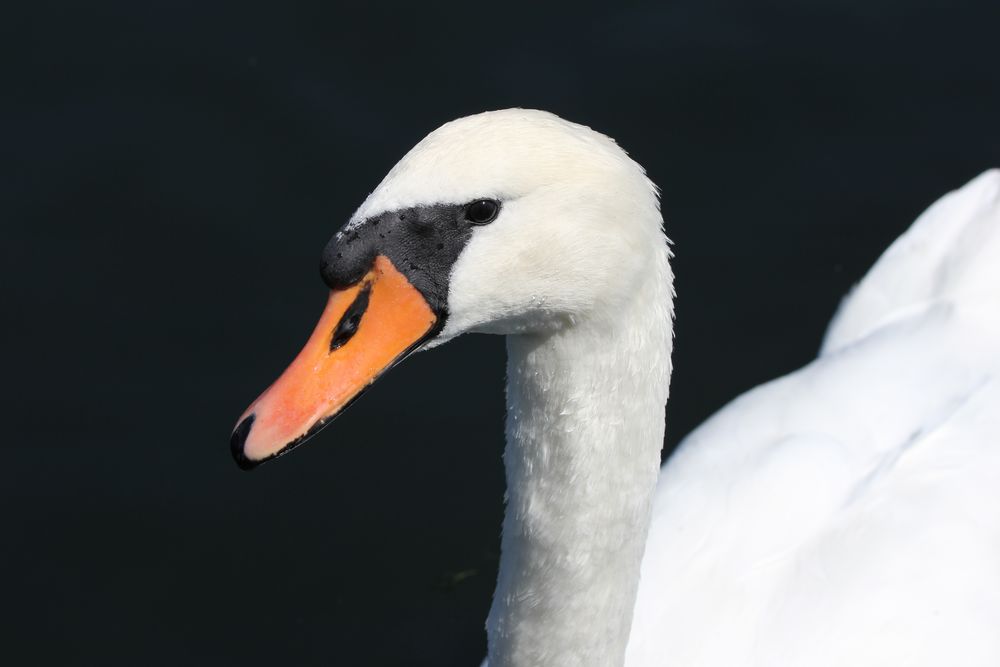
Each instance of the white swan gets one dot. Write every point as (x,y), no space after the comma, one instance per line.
(846,514)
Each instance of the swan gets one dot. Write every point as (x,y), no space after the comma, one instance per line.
(845,514)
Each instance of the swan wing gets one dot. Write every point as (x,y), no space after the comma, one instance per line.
(849,513)
(950,253)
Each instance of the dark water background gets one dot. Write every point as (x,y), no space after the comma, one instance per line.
(169,172)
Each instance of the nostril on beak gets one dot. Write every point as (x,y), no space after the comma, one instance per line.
(237,442)
(351,319)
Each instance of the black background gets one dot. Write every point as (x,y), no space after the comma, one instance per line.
(170,171)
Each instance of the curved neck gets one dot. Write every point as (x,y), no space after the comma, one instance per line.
(585,426)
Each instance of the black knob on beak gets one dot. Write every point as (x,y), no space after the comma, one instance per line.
(347,258)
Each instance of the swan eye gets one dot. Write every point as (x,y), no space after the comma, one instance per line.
(482,211)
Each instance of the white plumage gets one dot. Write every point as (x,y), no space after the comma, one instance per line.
(846,514)
(849,513)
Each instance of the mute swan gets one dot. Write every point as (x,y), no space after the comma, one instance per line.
(846,514)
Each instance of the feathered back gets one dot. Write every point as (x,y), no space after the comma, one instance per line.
(947,255)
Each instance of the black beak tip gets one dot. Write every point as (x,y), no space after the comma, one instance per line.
(237,441)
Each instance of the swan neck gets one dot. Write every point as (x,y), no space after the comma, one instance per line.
(585,423)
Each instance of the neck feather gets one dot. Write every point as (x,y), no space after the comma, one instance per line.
(585,422)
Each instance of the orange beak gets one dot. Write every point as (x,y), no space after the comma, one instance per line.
(364,331)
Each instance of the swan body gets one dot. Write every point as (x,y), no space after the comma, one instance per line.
(848,513)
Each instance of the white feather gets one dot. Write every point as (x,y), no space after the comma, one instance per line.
(849,513)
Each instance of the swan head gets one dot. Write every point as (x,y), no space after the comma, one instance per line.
(505,222)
